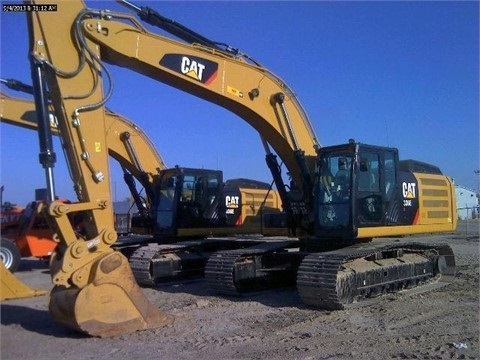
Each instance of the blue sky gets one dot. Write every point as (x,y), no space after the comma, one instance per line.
(400,74)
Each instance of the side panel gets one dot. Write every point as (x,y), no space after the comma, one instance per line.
(233,200)
(404,208)
(437,204)
(425,204)
(252,205)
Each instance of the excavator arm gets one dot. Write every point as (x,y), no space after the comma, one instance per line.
(95,291)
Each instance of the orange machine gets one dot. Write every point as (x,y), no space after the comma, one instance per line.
(33,236)
(26,230)
(25,233)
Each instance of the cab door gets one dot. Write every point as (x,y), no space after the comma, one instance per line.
(167,194)
(375,183)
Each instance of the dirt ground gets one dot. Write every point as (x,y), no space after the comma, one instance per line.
(442,323)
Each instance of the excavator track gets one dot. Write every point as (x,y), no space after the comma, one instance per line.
(333,279)
(220,270)
(233,272)
(153,263)
(160,262)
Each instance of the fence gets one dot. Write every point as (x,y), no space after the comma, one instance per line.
(468,212)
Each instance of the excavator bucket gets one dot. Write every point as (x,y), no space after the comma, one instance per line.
(12,288)
(111,304)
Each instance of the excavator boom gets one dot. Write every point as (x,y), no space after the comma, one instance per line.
(250,91)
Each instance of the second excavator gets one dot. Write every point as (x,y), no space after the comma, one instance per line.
(198,202)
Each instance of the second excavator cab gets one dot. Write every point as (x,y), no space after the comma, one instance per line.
(193,202)
(187,198)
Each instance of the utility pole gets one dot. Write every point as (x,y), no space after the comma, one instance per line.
(477,173)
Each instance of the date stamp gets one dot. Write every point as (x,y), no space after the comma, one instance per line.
(29,7)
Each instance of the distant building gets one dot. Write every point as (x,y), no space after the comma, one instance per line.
(467,203)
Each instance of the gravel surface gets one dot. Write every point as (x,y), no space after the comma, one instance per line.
(441,323)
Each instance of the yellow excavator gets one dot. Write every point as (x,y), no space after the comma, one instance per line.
(240,206)
(339,197)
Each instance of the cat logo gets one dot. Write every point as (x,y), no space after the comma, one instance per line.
(192,68)
(408,190)
(197,68)
(232,202)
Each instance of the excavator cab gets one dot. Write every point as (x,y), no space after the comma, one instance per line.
(355,188)
(187,199)
(365,191)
